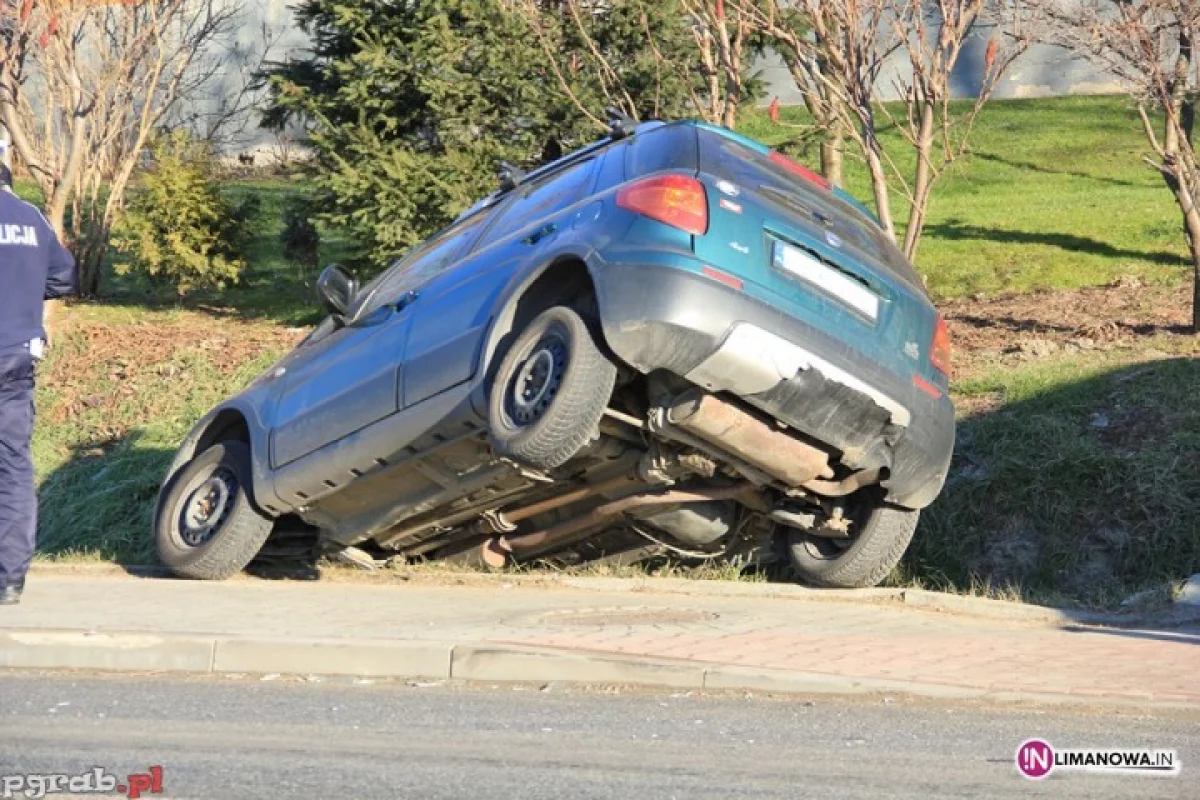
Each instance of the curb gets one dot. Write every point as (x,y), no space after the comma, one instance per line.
(492,662)
(923,599)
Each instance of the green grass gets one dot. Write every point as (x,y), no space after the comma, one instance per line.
(113,409)
(1054,194)
(133,371)
(1078,480)
(271,288)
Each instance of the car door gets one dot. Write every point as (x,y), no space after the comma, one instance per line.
(351,378)
(452,317)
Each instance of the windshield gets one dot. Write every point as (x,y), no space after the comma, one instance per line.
(424,260)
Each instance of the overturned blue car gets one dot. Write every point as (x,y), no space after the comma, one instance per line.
(675,342)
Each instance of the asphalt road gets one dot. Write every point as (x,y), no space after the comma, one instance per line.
(283,738)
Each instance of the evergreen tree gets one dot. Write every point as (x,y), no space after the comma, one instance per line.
(411,104)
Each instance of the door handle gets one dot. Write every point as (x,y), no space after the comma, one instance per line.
(541,233)
(405,301)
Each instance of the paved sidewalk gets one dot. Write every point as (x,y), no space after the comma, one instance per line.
(597,635)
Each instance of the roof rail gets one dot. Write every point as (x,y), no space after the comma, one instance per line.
(511,176)
(620,124)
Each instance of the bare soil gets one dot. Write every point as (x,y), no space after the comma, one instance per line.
(147,357)
(1126,313)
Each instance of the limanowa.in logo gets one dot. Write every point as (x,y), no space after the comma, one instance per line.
(1036,759)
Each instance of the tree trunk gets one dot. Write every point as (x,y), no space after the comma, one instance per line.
(90,251)
(56,215)
(56,205)
(1195,290)
(883,203)
(922,183)
(831,158)
(729,119)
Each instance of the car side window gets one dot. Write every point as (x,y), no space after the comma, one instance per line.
(542,199)
(669,148)
(419,265)
(612,168)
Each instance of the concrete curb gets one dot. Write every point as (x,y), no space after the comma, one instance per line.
(916,598)
(469,661)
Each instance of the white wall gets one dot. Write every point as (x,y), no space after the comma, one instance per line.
(1042,71)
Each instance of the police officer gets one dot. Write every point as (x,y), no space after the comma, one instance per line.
(34,267)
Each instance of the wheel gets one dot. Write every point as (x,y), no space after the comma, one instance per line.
(550,391)
(879,535)
(207,526)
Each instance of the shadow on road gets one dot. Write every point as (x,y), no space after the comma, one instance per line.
(1152,632)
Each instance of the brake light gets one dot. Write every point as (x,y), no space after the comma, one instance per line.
(939,351)
(798,169)
(676,200)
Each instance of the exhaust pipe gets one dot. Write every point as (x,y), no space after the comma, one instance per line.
(749,438)
(496,551)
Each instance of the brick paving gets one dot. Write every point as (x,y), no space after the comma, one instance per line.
(812,637)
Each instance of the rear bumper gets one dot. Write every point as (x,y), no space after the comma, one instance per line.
(657,317)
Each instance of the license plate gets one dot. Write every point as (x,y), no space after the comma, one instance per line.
(800,264)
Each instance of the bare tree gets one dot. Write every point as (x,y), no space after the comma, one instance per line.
(721,29)
(933,33)
(83,88)
(722,35)
(837,50)
(791,34)
(1150,46)
(840,51)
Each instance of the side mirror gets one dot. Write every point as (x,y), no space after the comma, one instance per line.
(337,288)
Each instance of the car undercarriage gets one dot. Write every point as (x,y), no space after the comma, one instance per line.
(691,477)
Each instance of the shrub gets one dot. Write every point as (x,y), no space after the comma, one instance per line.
(300,237)
(178,228)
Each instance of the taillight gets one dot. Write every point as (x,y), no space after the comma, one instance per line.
(677,200)
(939,351)
(798,169)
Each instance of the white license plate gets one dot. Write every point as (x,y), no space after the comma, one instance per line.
(800,264)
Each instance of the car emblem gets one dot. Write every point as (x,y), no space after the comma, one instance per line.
(912,351)
(741,248)
(833,239)
(725,187)
(731,206)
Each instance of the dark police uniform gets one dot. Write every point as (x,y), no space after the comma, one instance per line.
(34,267)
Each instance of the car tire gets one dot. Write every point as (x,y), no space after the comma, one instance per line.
(883,534)
(550,391)
(207,526)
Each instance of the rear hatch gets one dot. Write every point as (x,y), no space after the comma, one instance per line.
(810,251)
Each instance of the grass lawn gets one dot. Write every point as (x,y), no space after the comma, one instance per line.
(1079,440)
(1054,194)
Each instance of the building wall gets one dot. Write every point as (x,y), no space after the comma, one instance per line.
(1042,71)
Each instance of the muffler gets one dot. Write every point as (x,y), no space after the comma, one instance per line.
(748,438)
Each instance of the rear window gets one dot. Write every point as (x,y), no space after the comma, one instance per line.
(671,147)
(744,166)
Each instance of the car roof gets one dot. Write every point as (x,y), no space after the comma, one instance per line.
(560,164)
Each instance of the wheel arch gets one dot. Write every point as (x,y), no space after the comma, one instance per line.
(566,279)
(224,423)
